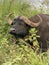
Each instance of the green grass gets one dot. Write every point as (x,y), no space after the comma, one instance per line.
(21,53)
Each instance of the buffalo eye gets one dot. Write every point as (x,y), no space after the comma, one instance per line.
(14,21)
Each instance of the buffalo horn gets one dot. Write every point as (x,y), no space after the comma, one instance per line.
(8,18)
(30,23)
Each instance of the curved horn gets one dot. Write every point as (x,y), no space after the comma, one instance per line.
(30,23)
(8,18)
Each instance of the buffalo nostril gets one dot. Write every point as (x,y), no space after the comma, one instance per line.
(12,30)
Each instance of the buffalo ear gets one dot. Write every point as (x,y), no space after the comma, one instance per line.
(9,19)
(28,22)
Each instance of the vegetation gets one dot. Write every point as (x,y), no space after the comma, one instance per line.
(20,53)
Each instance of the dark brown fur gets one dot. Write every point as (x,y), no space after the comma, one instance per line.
(43,30)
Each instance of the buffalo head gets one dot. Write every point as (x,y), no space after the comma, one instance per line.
(20,25)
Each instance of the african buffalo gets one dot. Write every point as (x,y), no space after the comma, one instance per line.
(21,25)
